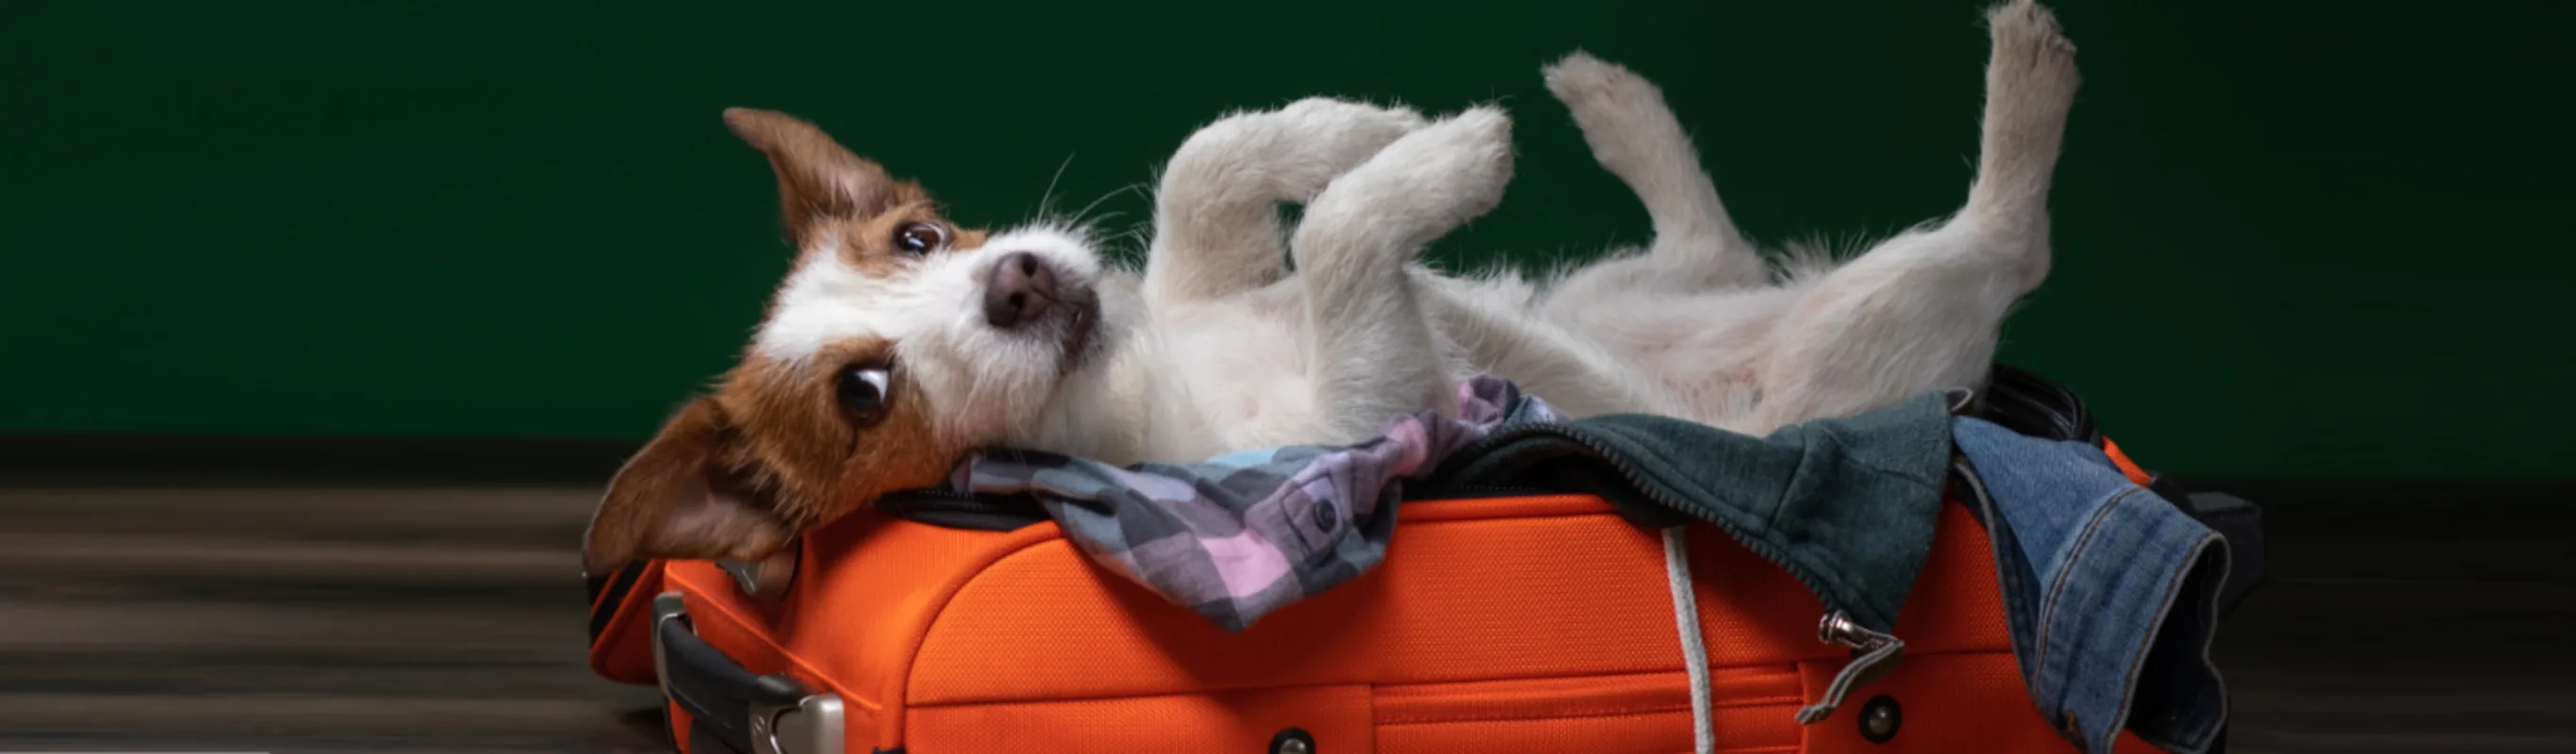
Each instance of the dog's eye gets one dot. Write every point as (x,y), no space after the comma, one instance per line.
(920,238)
(864,390)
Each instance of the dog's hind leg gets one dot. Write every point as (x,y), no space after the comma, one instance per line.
(1634,134)
(1216,219)
(1924,310)
(1373,350)
(1491,322)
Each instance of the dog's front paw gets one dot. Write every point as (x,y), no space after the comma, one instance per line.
(1318,139)
(1285,154)
(1449,171)
(1365,125)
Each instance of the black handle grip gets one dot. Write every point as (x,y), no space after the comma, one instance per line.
(732,709)
(715,691)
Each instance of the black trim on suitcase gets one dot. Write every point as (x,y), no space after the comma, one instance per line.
(615,586)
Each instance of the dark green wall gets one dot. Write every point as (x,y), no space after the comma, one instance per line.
(2298,239)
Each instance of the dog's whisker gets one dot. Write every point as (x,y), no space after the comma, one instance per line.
(1091,227)
(1046,199)
(1095,203)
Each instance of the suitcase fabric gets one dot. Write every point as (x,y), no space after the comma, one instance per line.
(1524,623)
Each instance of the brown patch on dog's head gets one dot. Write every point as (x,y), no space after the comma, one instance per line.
(826,193)
(799,434)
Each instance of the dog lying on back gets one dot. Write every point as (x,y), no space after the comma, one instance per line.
(899,342)
(1699,327)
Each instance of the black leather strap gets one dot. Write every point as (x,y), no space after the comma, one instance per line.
(2028,404)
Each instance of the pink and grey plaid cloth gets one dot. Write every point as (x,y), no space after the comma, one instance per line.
(1239,536)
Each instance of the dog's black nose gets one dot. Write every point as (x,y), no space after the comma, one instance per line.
(1020,289)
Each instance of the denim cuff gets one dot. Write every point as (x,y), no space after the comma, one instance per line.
(2126,624)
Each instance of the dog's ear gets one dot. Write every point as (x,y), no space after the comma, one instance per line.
(818,179)
(677,499)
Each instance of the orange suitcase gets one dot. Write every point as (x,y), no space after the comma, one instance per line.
(1526,624)
(1544,623)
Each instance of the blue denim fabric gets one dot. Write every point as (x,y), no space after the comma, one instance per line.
(2112,591)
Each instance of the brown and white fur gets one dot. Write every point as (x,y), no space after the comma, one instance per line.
(898,342)
(1698,326)
(1220,347)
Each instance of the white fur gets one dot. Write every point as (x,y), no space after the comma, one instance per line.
(1222,350)
(1691,327)
(824,300)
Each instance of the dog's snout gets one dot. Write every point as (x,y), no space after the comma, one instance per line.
(1020,290)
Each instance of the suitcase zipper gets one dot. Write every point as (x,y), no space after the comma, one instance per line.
(1874,654)
(1473,491)
(918,504)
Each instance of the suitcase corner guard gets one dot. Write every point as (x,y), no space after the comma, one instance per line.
(731,709)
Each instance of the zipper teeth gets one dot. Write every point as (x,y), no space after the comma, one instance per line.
(952,500)
(1469,491)
(1634,480)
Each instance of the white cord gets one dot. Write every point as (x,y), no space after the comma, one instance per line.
(1694,653)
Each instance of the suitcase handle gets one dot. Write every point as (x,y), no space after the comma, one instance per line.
(730,708)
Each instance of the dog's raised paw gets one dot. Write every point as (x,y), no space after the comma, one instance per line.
(1455,168)
(1397,118)
(2027,29)
(1348,131)
(2032,57)
(1584,82)
(1290,151)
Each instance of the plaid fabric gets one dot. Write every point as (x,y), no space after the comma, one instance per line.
(1239,536)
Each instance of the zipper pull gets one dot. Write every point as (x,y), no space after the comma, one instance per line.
(1874,655)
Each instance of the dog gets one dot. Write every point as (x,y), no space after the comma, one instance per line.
(899,341)
(1700,326)
(1097,363)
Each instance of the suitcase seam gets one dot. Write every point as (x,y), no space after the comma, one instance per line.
(831,683)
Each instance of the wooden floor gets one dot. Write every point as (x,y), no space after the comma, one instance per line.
(312,620)
(303,621)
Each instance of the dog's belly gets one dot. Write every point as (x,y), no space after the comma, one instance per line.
(1703,352)
(1241,368)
